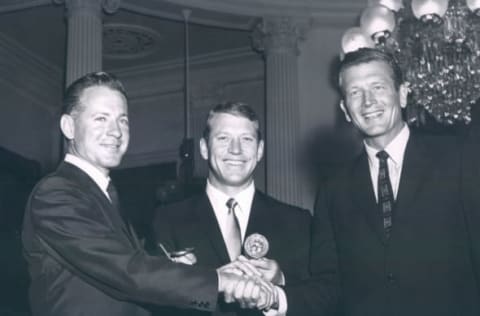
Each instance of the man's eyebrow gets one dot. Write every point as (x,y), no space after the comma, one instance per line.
(100,112)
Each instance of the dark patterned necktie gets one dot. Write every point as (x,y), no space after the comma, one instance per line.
(385,193)
(234,236)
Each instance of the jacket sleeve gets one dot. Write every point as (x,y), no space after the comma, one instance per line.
(317,294)
(73,230)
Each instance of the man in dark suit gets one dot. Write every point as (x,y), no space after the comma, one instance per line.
(83,258)
(233,146)
(397,211)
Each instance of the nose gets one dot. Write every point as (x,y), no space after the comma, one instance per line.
(368,98)
(235,147)
(114,129)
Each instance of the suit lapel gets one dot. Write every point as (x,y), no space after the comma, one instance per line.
(416,168)
(206,219)
(258,221)
(108,210)
(114,214)
(361,189)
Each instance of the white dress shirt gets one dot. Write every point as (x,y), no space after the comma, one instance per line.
(396,152)
(97,176)
(218,200)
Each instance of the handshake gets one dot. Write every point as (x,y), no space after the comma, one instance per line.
(250,282)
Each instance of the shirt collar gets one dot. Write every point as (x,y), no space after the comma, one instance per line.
(395,149)
(243,198)
(97,176)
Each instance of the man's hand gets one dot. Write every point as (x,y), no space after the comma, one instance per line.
(241,268)
(268,268)
(188,258)
(249,292)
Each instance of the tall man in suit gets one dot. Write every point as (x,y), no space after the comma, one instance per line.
(397,212)
(83,258)
(232,145)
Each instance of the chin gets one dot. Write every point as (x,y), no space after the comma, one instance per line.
(112,163)
(375,131)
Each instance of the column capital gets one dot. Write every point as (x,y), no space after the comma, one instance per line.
(89,7)
(281,34)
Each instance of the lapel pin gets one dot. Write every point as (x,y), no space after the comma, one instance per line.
(256,246)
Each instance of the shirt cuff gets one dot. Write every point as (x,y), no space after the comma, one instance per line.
(282,279)
(282,304)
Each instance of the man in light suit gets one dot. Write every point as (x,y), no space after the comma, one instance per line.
(397,211)
(232,145)
(83,257)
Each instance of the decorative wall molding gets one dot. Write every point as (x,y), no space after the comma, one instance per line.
(16,5)
(243,13)
(260,8)
(167,77)
(218,57)
(89,7)
(128,41)
(31,76)
(157,9)
(111,6)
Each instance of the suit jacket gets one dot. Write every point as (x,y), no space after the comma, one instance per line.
(471,191)
(83,260)
(192,223)
(425,267)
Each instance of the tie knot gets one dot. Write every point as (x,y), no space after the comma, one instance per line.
(231,204)
(111,188)
(382,155)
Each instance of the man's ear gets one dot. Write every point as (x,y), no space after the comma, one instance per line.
(260,150)
(204,148)
(345,111)
(403,94)
(67,125)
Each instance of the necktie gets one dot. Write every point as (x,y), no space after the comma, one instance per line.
(385,192)
(234,237)
(112,193)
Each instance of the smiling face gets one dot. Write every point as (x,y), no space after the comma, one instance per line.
(99,131)
(232,150)
(372,102)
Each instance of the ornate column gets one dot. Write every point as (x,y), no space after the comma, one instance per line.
(84,38)
(278,38)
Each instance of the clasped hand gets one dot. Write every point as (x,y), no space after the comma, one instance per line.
(250,282)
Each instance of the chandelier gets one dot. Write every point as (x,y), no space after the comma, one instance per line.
(437,44)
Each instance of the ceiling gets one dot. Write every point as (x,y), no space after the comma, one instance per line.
(151,31)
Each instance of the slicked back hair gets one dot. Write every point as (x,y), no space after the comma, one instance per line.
(366,55)
(73,94)
(234,108)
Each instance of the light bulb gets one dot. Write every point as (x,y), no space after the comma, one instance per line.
(473,5)
(422,8)
(377,19)
(393,5)
(354,39)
